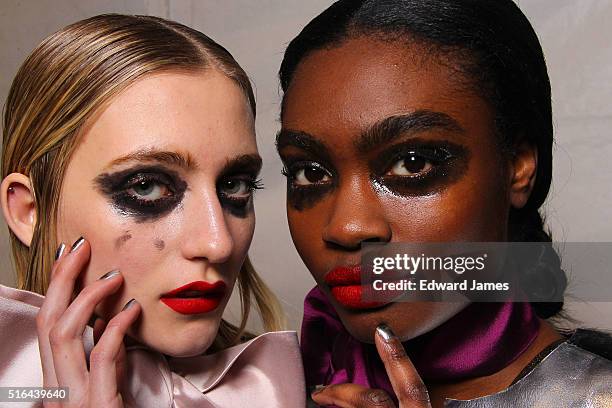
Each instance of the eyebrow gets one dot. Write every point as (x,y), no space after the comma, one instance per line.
(301,140)
(382,132)
(245,163)
(393,127)
(183,160)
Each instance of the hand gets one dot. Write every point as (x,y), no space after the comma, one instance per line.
(407,385)
(60,325)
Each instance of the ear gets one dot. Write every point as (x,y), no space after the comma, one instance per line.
(17,200)
(523,173)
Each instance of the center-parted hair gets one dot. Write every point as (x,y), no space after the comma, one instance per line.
(494,47)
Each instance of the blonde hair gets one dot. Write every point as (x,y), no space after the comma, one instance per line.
(61,84)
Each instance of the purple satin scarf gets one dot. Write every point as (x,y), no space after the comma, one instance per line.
(480,340)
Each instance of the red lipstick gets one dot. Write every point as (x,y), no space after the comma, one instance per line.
(346,288)
(195,297)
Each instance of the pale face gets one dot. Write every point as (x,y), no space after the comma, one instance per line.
(161,186)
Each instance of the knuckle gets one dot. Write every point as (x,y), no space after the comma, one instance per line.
(397,354)
(99,356)
(114,325)
(44,320)
(60,271)
(415,392)
(376,398)
(88,292)
(58,335)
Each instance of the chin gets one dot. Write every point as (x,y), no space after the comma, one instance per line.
(175,346)
(407,319)
(179,339)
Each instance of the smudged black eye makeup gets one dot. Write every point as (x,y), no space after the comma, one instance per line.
(413,168)
(419,168)
(143,192)
(236,192)
(307,181)
(237,183)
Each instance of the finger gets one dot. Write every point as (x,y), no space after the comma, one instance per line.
(405,380)
(352,396)
(56,301)
(66,336)
(106,359)
(65,271)
(98,329)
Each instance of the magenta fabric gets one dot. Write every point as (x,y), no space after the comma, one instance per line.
(478,341)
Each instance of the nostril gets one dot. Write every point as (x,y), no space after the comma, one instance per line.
(342,246)
(352,245)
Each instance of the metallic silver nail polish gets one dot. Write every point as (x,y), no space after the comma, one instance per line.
(318,388)
(129,304)
(60,251)
(77,244)
(110,274)
(385,332)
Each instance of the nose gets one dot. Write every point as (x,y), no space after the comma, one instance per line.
(357,216)
(208,236)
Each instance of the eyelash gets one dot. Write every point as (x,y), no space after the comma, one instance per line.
(239,202)
(139,178)
(291,170)
(435,156)
(122,188)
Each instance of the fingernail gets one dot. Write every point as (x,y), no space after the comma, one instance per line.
(77,244)
(110,274)
(60,251)
(128,304)
(385,332)
(318,389)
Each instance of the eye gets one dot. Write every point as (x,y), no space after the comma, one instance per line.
(143,192)
(411,165)
(236,188)
(305,174)
(146,189)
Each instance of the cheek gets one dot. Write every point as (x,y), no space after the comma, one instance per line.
(306,228)
(104,230)
(475,208)
(241,230)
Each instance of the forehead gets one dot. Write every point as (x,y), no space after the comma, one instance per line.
(347,88)
(203,113)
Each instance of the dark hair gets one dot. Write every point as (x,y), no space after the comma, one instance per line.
(496,49)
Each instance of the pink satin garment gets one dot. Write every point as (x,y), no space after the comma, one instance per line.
(266,371)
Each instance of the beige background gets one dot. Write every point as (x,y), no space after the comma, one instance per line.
(575,36)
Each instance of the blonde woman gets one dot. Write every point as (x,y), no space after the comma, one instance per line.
(128,171)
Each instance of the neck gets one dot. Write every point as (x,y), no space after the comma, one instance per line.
(498,381)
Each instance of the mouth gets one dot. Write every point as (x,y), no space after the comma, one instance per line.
(346,287)
(195,297)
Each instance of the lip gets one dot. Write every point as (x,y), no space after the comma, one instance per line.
(207,299)
(346,287)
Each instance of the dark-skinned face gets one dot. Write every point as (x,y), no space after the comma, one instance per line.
(383,142)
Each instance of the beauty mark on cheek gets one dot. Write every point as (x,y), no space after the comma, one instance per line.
(159,244)
(123,239)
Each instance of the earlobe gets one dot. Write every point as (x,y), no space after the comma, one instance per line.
(524,171)
(18,207)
